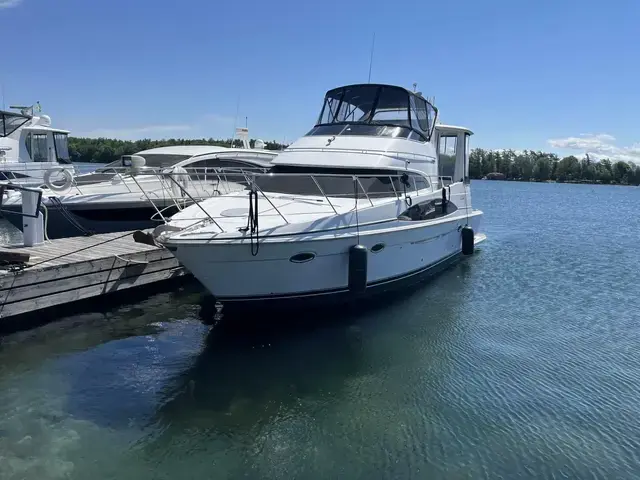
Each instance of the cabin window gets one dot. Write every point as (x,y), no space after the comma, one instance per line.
(61,143)
(358,129)
(419,116)
(428,211)
(333,182)
(420,183)
(447,150)
(211,169)
(40,152)
(467,154)
(27,144)
(10,122)
(162,160)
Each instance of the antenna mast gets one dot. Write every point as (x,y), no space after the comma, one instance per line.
(235,122)
(373,44)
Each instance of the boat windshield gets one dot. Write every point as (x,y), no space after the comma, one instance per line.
(10,122)
(379,110)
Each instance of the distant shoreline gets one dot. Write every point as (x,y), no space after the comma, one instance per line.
(572,182)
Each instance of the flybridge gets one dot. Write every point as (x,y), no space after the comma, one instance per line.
(372,109)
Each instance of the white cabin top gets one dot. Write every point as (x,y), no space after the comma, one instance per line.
(190,150)
(452,128)
(369,126)
(26,137)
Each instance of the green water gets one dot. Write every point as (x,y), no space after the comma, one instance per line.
(518,363)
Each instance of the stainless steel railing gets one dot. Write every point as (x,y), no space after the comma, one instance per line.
(316,188)
(191,185)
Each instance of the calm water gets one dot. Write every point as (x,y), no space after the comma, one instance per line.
(521,362)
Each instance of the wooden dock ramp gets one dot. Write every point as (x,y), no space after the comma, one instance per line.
(67,270)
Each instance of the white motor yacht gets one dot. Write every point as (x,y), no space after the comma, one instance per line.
(30,146)
(375,195)
(139,191)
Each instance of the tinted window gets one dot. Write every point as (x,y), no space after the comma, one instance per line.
(10,122)
(420,182)
(419,114)
(467,153)
(61,143)
(39,147)
(27,143)
(447,152)
(361,129)
(427,211)
(223,170)
(298,181)
(162,160)
(327,130)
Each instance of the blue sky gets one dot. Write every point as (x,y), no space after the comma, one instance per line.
(555,75)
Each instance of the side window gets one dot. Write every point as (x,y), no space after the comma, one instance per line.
(381,187)
(428,211)
(467,154)
(27,143)
(431,118)
(61,143)
(420,183)
(419,111)
(39,149)
(447,149)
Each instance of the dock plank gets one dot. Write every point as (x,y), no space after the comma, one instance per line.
(38,288)
(77,294)
(71,269)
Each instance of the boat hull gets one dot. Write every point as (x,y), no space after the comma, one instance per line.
(396,255)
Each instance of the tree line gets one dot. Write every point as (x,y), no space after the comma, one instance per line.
(106,150)
(529,165)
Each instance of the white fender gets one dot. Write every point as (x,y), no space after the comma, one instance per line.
(68,179)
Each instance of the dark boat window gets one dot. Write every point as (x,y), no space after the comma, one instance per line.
(11,175)
(61,144)
(447,151)
(427,211)
(420,182)
(225,170)
(27,143)
(162,160)
(39,147)
(362,130)
(376,183)
(419,114)
(10,122)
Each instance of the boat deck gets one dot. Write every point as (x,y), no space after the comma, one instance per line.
(59,272)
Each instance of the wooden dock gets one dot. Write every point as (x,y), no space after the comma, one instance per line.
(67,270)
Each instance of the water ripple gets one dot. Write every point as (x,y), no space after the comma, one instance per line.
(518,363)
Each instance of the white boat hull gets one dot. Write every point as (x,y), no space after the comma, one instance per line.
(231,273)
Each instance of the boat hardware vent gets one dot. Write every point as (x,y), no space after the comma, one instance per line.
(302,257)
(378,247)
